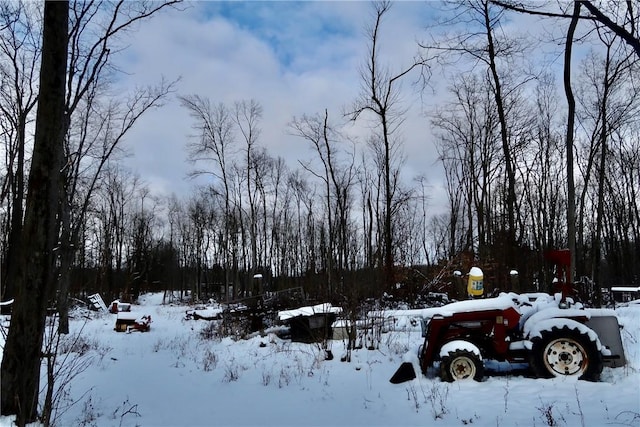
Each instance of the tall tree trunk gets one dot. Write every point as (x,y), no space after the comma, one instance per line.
(571,111)
(388,204)
(15,232)
(597,248)
(35,277)
(66,259)
(502,116)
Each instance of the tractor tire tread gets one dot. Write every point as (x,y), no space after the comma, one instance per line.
(593,356)
(445,373)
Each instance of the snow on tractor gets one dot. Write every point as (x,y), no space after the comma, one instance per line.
(553,334)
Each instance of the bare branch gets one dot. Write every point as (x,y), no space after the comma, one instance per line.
(596,15)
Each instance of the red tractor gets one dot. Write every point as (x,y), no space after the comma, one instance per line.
(553,334)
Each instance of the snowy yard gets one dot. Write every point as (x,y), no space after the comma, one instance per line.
(174,375)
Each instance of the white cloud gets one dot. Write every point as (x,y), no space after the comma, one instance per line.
(293,58)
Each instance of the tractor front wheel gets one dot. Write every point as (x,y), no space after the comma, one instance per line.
(461,365)
(565,352)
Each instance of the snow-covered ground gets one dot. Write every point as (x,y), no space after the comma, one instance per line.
(177,375)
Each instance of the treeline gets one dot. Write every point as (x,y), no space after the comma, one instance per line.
(349,224)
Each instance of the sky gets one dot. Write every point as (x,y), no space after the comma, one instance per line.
(294,58)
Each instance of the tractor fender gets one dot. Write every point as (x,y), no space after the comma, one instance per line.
(454,345)
(552,313)
(535,329)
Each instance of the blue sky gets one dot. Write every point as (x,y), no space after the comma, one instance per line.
(292,29)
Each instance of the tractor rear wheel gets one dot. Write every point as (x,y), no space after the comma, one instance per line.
(461,365)
(565,352)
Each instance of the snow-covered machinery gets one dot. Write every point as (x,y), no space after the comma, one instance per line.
(127,322)
(555,335)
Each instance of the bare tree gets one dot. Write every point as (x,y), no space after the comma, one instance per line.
(370,197)
(380,96)
(277,180)
(490,50)
(93,139)
(622,221)
(215,147)
(303,251)
(337,180)
(543,171)
(95,31)
(621,18)
(247,116)
(35,278)
(489,23)
(113,217)
(200,231)
(83,72)
(176,219)
(141,241)
(470,151)
(608,104)
(19,62)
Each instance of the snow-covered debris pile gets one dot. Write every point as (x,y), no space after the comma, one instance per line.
(117,306)
(127,321)
(311,323)
(311,310)
(205,313)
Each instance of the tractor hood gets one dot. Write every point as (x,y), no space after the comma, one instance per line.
(501,302)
